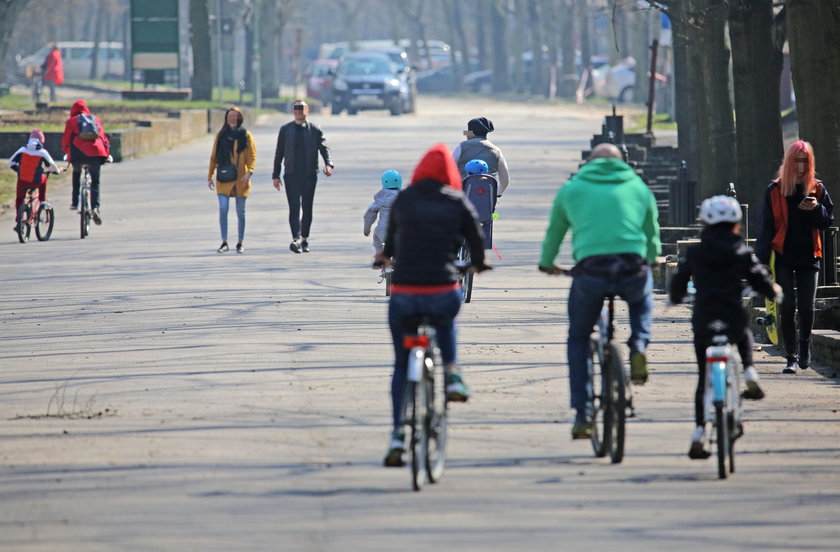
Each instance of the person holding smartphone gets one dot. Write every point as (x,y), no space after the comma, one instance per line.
(796,207)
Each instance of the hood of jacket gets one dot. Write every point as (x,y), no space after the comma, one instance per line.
(34,144)
(79,106)
(386,197)
(606,171)
(720,246)
(437,164)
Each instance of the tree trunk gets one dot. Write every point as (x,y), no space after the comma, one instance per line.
(517,48)
(269,54)
(9,12)
(538,79)
(501,80)
(567,69)
(585,41)
(814,34)
(202,77)
(457,43)
(685,84)
(482,37)
(99,15)
(756,69)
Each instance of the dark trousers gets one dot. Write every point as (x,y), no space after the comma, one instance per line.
(94,164)
(745,350)
(801,299)
(300,193)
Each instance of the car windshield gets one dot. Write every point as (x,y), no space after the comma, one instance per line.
(364,66)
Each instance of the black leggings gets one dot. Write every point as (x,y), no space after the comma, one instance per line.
(300,193)
(93,168)
(745,350)
(804,278)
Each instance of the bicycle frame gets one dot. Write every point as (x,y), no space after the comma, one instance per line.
(722,401)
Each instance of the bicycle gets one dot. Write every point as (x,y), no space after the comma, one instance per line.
(425,407)
(466,279)
(85,210)
(611,391)
(722,399)
(385,276)
(37,213)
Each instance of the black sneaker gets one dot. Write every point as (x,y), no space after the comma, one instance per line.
(304,245)
(791,367)
(804,355)
(222,248)
(396,449)
(74,207)
(96,217)
(295,247)
(240,248)
(582,428)
(698,450)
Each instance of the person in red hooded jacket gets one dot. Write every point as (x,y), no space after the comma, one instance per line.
(429,221)
(53,70)
(85,145)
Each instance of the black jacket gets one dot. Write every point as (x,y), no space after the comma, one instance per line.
(313,142)
(427,225)
(718,264)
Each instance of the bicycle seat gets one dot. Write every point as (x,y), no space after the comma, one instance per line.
(416,320)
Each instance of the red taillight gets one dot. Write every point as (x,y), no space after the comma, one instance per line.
(717,359)
(480,191)
(412,341)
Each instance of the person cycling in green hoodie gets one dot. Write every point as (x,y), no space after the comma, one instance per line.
(615,238)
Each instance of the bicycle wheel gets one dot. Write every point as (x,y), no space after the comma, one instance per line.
(416,396)
(617,404)
(733,435)
(24,227)
(467,279)
(436,417)
(722,434)
(84,215)
(600,379)
(44,222)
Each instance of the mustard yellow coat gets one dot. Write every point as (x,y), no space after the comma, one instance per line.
(245,161)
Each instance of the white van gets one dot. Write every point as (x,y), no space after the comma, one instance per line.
(77,58)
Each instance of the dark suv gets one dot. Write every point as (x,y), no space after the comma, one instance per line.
(372,80)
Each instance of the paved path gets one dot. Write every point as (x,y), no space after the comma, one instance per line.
(157,396)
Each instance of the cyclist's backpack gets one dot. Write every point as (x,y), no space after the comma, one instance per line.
(481,190)
(30,171)
(88,129)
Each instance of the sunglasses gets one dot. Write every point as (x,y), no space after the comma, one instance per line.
(299,107)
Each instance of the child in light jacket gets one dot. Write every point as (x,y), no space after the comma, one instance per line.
(381,207)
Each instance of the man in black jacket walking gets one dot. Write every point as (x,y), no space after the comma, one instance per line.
(299,143)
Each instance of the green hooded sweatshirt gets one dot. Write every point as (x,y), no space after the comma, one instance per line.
(609,210)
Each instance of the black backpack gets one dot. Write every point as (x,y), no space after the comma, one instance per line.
(88,129)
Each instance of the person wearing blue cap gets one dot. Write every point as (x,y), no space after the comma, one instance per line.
(477,146)
(381,207)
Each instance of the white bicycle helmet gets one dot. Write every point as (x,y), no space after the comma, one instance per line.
(720,208)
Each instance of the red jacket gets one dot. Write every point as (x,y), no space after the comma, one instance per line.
(55,68)
(71,142)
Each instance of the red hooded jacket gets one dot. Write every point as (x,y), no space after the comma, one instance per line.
(55,68)
(75,146)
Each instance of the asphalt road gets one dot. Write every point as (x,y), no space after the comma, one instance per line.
(155,395)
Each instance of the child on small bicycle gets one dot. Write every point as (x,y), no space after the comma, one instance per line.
(32,162)
(381,208)
(718,265)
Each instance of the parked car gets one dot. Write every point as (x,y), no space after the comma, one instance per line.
(616,82)
(371,80)
(77,59)
(319,79)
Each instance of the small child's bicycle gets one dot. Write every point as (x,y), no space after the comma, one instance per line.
(722,400)
(37,213)
(85,210)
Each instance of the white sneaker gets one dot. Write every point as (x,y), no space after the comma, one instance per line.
(753,391)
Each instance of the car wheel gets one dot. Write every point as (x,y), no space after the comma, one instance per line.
(626,94)
(336,108)
(352,111)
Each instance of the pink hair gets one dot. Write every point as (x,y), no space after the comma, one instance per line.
(787,178)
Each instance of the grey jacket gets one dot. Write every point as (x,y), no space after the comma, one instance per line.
(381,206)
(313,143)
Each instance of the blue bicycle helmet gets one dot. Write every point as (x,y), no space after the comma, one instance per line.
(476,166)
(391,180)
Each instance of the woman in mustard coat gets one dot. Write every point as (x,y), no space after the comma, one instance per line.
(234,145)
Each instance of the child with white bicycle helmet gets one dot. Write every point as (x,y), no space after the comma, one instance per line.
(381,207)
(717,266)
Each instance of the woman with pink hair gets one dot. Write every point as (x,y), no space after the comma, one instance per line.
(796,207)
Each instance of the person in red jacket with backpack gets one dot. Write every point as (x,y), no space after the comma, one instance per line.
(85,143)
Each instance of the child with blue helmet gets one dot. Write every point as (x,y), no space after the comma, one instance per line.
(381,207)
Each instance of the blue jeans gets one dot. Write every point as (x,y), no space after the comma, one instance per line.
(586,298)
(224,204)
(445,307)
